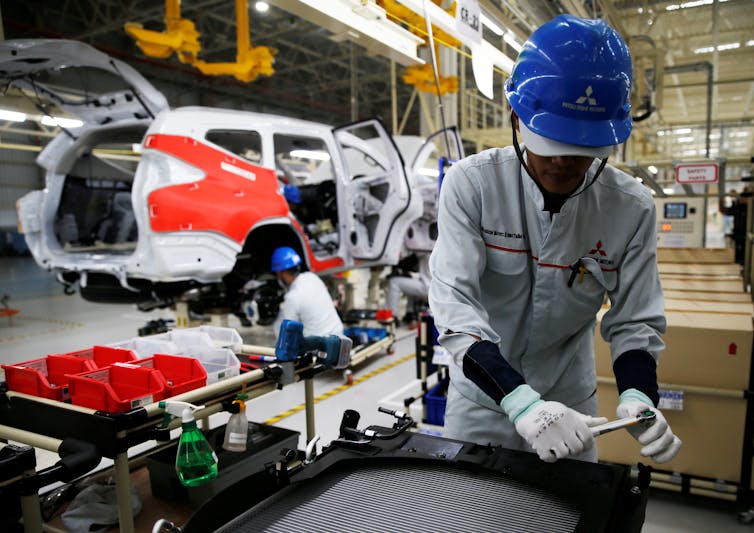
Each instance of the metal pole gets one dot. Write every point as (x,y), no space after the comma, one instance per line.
(354,81)
(393,97)
(31,512)
(309,402)
(123,493)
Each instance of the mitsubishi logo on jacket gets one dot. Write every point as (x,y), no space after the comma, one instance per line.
(601,254)
(586,102)
(598,250)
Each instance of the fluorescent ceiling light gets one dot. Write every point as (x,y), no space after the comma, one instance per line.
(497,30)
(694,3)
(311,154)
(720,48)
(652,169)
(511,40)
(668,190)
(61,122)
(262,7)
(430,172)
(750,43)
(681,131)
(685,139)
(13,116)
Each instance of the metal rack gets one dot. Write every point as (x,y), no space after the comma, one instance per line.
(42,423)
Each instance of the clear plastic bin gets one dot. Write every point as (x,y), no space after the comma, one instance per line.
(148,346)
(220,363)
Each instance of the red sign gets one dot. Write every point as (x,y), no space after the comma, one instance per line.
(696,173)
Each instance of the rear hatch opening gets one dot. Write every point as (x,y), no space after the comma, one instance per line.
(95,211)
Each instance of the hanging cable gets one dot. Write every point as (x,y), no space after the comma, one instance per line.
(431,42)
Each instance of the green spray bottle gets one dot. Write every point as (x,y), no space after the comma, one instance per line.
(196,462)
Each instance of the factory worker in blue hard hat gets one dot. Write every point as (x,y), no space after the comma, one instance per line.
(531,239)
(307,299)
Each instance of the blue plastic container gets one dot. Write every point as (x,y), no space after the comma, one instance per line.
(435,401)
(365,335)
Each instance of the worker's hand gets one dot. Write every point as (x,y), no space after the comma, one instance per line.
(659,442)
(552,429)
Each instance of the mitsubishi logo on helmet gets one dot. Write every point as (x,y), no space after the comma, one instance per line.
(585,102)
(587,97)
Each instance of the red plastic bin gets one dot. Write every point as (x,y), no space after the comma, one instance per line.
(181,374)
(117,388)
(104,355)
(46,377)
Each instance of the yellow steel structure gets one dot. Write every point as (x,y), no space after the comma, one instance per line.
(180,37)
(422,76)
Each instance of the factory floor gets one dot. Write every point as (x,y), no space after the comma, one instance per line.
(51,322)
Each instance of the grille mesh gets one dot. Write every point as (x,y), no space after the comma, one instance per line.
(390,498)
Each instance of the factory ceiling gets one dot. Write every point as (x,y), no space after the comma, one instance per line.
(694,62)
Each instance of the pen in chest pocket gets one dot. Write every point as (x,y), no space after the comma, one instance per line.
(577,269)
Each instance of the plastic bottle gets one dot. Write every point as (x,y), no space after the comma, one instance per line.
(196,462)
(237,429)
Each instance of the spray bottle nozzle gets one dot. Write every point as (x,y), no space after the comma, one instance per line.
(184,410)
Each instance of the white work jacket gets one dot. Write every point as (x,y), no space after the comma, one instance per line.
(309,302)
(501,266)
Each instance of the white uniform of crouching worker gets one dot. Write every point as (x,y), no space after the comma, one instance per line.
(307,299)
(531,238)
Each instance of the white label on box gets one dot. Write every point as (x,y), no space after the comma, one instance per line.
(144,400)
(671,400)
(440,356)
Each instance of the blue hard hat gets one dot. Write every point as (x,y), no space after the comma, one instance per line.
(572,82)
(284,258)
(292,194)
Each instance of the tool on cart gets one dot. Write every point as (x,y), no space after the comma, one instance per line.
(196,462)
(292,344)
(646,418)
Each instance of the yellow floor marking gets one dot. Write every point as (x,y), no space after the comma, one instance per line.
(341,388)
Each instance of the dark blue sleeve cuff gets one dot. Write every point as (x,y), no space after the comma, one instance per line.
(485,366)
(636,369)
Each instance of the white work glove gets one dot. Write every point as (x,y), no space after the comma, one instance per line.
(552,429)
(659,442)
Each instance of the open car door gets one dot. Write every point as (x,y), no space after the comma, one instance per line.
(379,202)
(430,159)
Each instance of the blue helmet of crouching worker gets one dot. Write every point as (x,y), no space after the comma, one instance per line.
(284,258)
(571,86)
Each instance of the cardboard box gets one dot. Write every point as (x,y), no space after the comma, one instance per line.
(711,428)
(697,306)
(695,255)
(703,349)
(708,296)
(724,270)
(701,285)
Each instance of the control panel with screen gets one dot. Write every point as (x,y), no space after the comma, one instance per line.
(675,210)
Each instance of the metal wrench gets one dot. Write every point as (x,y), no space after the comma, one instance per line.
(646,418)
